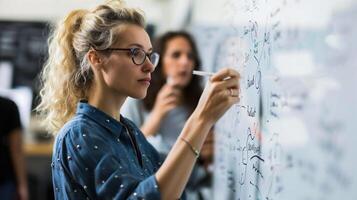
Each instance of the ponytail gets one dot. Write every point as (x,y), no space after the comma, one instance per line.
(58,94)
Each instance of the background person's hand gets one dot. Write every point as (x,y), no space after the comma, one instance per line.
(168,98)
(23,192)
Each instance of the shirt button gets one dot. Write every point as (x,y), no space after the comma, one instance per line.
(107,120)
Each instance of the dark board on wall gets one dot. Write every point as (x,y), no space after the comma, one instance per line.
(24,46)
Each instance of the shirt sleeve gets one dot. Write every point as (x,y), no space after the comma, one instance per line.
(92,164)
(13,120)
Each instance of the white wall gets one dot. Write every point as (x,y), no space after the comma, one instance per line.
(166,14)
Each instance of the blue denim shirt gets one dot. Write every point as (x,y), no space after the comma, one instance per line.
(94,158)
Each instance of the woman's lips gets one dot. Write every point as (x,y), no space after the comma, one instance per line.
(145,81)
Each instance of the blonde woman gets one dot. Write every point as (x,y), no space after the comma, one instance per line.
(97,58)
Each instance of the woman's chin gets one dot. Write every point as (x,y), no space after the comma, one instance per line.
(139,95)
(182,84)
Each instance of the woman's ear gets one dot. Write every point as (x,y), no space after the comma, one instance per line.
(95,59)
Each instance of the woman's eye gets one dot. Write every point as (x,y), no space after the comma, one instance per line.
(176,54)
(136,52)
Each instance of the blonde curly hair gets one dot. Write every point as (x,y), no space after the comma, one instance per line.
(67,75)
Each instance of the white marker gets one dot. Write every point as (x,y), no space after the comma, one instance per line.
(202,73)
(209,74)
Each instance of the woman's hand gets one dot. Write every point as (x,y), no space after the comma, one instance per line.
(218,96)
(167,99)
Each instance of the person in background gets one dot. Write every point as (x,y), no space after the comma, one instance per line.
(13,180)
(172,97)
(97,58)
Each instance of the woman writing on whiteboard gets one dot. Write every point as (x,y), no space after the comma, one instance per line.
(171,98)
(97,58)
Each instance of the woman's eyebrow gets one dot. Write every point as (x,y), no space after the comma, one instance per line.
(141,46)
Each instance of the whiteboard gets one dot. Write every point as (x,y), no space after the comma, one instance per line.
(293,134)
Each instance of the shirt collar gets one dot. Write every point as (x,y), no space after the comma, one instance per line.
(100,117)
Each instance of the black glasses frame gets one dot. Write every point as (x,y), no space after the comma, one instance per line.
(132,54)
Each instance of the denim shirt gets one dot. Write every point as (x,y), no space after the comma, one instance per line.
(94,158)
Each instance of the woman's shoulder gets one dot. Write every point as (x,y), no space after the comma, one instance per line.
(79,130)
(76,124)
(81,138)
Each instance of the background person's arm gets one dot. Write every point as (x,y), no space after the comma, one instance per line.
(18,159)
(167,99)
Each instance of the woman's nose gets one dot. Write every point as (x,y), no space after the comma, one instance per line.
(148,66)
(184,61)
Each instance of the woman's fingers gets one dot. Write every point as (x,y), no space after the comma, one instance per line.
(230,96)
(169,91)
(230,83)
(233,97)
(171,100)
(219,95)
(225,79)
(232,92)
(225,74)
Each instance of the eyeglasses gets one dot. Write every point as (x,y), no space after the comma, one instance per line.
(138,55)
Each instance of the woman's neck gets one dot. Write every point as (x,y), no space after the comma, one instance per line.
(107,102)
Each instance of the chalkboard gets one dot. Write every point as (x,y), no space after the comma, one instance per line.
(293,134)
